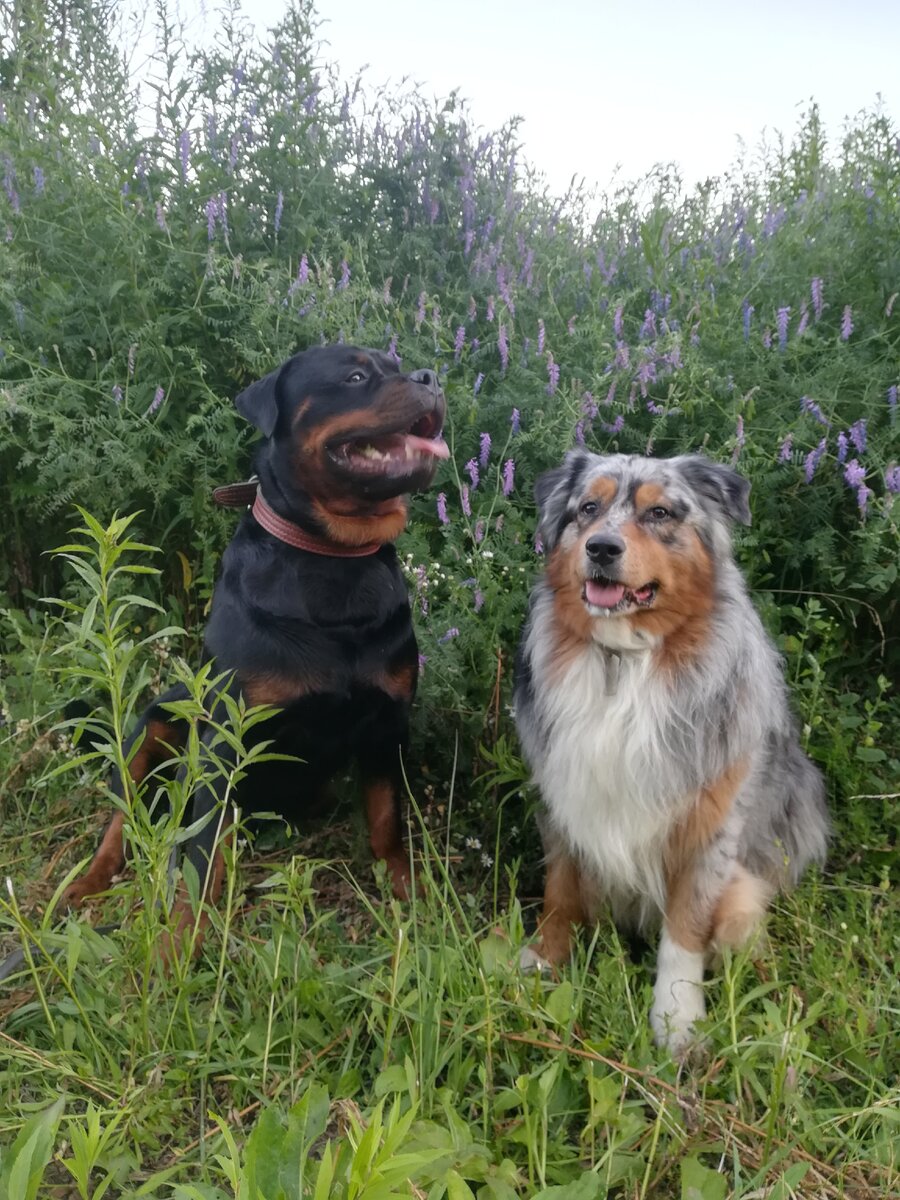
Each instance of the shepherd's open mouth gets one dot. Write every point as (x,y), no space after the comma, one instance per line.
(605,597)
(399,452)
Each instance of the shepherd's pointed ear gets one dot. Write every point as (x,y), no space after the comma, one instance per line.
(259,403)
(718,483)
(553,493)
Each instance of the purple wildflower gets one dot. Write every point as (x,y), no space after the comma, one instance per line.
(610,395)
(767,338)
(538,544)
(392,350)
(420,310)
(479,531)
(442,508)
(478,599)
(158,396)
(808,405)
(161,216)
(540,337)
(739,439)
(846,323)
(617,322)
(552,375)
(858,435)
(813,459)
(479,380)
(210,219)
(423,659)
(303,270)
(490,308)
(458,342)
(117,393)
(451,633)
(623,355)
(484,449)
(892,401)
(515,421)
(854,473)
(279,208)
(472,468)
(503,347)
(804,319)
(222,211)
(509,476)
(345,276)
(782,318)
(842,446)
(579,432)
(892,480)
(784,454)
(815,289)
(38,180)
(464,500)
(747,315)
(648,325)
(616,427)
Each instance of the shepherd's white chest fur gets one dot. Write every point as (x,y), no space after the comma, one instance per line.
(604,777)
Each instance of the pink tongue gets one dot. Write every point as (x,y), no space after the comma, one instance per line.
(603,595)
(436,446)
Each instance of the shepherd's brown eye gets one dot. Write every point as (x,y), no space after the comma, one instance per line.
(589,508)
(658,513)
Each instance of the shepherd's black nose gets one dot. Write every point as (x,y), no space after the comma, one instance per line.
(604,548)
(428,378)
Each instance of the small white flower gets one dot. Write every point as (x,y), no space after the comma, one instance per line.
(472,843)
(486,860)
(487,554)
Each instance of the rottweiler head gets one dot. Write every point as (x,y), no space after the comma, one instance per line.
(348,436)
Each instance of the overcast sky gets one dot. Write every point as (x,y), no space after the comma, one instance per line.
(602,86)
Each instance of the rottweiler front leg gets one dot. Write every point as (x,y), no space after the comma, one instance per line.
(212,810)
(153,741)
(382,784)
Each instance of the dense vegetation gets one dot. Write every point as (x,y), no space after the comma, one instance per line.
(146,274)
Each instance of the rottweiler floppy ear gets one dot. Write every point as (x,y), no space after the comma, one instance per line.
(259,403)
(718,483)
(553,491)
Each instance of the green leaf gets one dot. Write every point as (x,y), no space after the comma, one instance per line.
(700,1183)
(22,1166)
(587,1187)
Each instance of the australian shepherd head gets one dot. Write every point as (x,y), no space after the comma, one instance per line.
(632,545)
(652,711)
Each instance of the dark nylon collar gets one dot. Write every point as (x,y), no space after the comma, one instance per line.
(240,495)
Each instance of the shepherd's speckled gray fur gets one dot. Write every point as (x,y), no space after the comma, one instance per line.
(620,749)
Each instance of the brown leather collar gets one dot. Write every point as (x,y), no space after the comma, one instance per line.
(238,495)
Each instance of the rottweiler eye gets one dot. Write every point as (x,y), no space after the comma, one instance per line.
(356,377)
(658,513)
(589,508)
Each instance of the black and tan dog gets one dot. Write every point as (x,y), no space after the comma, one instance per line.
(310,612)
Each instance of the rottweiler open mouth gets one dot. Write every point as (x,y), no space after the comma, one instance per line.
(395,452)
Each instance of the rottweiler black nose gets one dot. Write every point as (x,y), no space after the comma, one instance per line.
(604,548)
(428,378)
